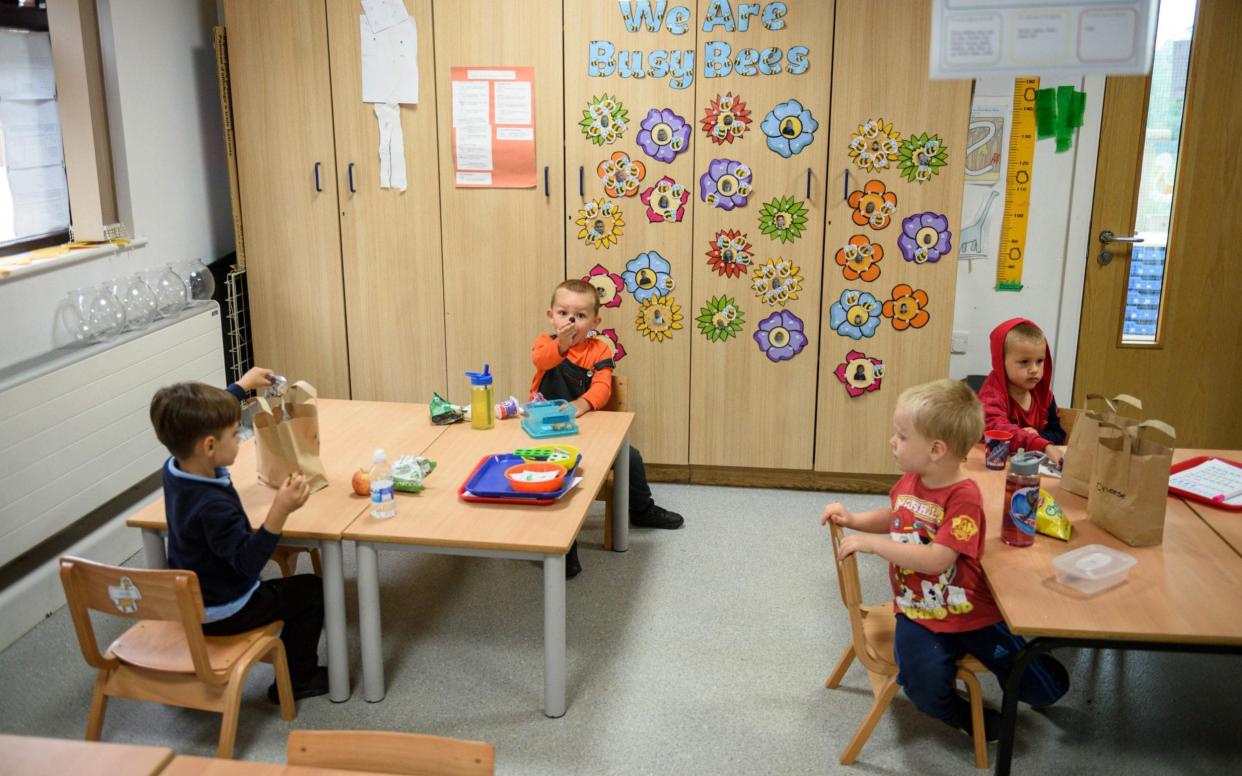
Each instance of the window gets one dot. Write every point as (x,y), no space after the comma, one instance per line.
(34,198)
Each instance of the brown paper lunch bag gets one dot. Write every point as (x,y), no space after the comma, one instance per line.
(1083,440)
(287,438)
(1130,490)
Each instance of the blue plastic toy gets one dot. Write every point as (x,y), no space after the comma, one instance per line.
(549,419)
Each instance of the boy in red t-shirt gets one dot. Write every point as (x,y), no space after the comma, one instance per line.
(935,541)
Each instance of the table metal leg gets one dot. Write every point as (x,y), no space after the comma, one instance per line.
(553,635)
(369,630)
(334,620)
(621,498)
(153,548)
(1009,706)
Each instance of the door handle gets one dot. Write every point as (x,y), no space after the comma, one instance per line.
(317,186)
(1107,237)
(350,170)
(581,182)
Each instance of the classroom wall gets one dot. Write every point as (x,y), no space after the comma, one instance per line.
(1057,243)
(164,114)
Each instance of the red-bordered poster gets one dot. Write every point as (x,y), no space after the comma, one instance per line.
(494,127)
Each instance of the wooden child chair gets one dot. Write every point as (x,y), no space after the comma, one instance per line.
(618,402)
(385,752)
(164,657)
(873,629)
(286,557)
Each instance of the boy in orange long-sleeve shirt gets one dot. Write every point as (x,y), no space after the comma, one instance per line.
(577,368)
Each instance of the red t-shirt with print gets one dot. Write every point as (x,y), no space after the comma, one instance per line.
(959,599)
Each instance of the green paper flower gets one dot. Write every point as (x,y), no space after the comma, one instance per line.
(784,219)
(604,120)
(921,156)
(720,319)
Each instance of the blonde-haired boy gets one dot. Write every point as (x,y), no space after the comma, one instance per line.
(935,541)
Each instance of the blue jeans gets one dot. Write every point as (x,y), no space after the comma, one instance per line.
(926,663)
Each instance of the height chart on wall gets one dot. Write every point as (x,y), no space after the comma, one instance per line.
(494,127)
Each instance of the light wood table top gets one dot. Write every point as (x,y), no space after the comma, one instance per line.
(1181,591)
(437,517)
(349,432)
(1225,523)
(183,765)
(36,756)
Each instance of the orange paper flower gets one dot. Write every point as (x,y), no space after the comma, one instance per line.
(858,259)
(873,205)
(905,309)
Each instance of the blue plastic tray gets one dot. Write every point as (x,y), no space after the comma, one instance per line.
(488,482)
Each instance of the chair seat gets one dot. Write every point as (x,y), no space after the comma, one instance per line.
(161,645)
(880,625)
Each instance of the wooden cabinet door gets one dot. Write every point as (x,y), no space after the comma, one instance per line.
(390,240)
(880,90)
(754,370)
(504,249)
(656,364)
(282,109)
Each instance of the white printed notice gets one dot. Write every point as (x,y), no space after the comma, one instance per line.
(390,62)
(1020,38)
(494,127)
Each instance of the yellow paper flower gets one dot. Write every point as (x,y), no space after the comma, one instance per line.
(600,222)
(658,318)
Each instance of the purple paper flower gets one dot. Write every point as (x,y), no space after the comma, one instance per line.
(780,336)
(925,237)
(726,184)
(663,134)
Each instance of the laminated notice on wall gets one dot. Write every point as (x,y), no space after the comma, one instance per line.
(494,127)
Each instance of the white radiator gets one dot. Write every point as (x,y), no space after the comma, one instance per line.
(75,430)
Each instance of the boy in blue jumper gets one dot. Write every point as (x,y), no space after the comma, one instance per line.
(209,533)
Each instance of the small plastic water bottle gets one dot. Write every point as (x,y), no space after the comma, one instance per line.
(383,498)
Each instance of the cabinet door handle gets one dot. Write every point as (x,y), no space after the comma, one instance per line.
(545,181)
(846,196)
(317,186)
(581,183)
(350,170)
(808,183)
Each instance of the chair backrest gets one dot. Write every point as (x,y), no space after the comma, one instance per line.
(851,596)
(135,594)
(1068,416)
(387,752)
(619,401)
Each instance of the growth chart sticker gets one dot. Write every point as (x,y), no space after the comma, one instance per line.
(859,259)
(925,237)
(780,336)
(658,318)
(604,120)
(783,218)
(855,315)
(921,156)
(727,119)
(726,184)
(665,201)
(621,175)
(789,128)
(860,373)
(729,254)
(720,319)
(608,285)
(600,223)
(874,146)
(663,134)
(777,282)
(905,308)
(647,275)
(873,205)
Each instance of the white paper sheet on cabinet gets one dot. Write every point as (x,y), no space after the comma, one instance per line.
(471,104)
(383,14)
(391,146)
(390,63)
(474,148)
(513,103)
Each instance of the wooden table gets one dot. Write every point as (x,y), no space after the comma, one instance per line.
(349,432)
(1175,598)
(1228,525)
(438,521)
(183,765)
(35,756)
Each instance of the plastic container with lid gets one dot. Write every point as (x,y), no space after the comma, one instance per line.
(1093,568)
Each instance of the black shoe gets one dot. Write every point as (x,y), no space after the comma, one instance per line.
(316,685)
(572,566)
(657,517)
(991,724)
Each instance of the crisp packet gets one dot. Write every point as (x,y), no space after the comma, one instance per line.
(1049,519)
(409,471)
(443,413)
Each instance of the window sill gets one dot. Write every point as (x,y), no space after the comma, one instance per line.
(21,265)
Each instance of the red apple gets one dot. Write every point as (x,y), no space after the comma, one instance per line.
(362,482)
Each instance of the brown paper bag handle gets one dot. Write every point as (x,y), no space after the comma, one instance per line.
(265,408)
(301,392)
(1123,398)
(1159,425)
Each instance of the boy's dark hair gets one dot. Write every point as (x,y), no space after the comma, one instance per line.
(578,287)
(1028,332)
(184,413)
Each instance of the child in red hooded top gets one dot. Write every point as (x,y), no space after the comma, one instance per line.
(1017,395)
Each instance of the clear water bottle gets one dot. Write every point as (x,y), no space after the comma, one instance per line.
(383,498)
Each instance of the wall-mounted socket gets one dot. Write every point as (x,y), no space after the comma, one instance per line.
(960,340)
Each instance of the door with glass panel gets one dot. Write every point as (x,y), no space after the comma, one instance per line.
(1160,304)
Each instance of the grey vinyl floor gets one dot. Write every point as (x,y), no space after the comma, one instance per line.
(699,651)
